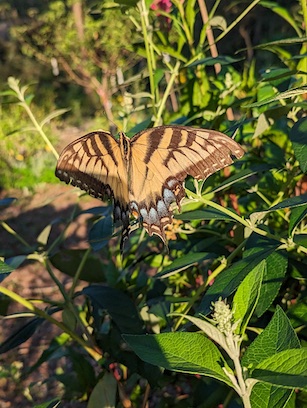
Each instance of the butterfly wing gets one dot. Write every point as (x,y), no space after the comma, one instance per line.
(94,163)
(161,159)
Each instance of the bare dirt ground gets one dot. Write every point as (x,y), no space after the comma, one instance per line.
(28,216)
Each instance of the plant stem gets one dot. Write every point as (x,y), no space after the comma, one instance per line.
(95,353)
(166,93)
(20,93)
(151,64)
(14,233)
(234,23)
(78,272)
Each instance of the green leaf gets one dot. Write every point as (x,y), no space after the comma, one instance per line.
(210,330)
(118,305)
(286,369)
(68,262)
(267,396)
(104,393)
(299,142)
(53,115)
(246,297)
(242,175)
(282,12)
(274,273)
(276,337)
(5,268)
(227,282)
(210,61)
(184,262)
(279,96)
(210,214)
(101,233)
(44,235)
(54,403)
(181,351)
(291,202)
(21,335)
(296,216)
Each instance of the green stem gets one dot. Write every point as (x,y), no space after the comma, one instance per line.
(147,36)
(166,93)
(20,93)
(78,272)
(38,312)
(234,23)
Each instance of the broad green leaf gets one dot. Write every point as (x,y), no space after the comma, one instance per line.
(210,330)
(181,351)
(104,393)
(274,273)
(247,296)
(68,262)
(184,262)
(118,305)
(267,396)
(101,233)
(299,142)
(276,337)
(286,369)
(227,282)
(296,216)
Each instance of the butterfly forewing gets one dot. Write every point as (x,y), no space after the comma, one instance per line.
(94,164)
(166,155)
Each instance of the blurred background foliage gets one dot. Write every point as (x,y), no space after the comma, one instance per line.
(239,67)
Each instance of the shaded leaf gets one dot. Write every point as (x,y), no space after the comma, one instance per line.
(298,139)
(118,305)
(104,393)
(68,262)
(184,262)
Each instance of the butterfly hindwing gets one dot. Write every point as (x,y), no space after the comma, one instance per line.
(166,155)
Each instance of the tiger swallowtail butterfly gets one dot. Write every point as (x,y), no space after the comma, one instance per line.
(145,174)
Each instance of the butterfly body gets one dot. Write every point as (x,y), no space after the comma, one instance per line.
(145,174)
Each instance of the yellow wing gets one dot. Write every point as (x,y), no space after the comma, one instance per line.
(94,163)
(162,157)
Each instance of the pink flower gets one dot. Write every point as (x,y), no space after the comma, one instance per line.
(164,5)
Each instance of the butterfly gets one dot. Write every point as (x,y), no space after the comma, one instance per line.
(145,174)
